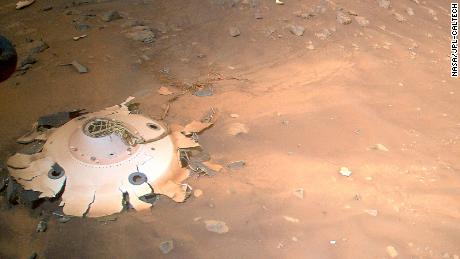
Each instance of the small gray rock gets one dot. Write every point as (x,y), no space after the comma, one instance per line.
(131,23)
(81,26)
(296,29)
(111,16)
(28,59)
(203,92)
(37,47)
(166,246)
(343,18)
(236,165)
(234,31)
(42,226)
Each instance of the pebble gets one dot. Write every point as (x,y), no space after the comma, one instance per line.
(391,251)
(33,256)
(310,45)
(362,21)
(296,29)
(27,60)
(82,27)
(258,15)
(166,246)
(345,171)
(131,23)
(343,18)
(63,219)
(197,193)
(234,115)
(42,226)
(111,16)
(236,165)
(37,47)
(216,226)
(384,3)
(203,92)
(234,31)
(47,8)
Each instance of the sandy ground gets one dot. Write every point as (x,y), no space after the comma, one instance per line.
(312,104)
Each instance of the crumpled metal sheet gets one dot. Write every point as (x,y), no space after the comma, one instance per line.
(96,170)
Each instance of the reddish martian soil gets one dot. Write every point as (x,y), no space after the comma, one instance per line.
(312,104)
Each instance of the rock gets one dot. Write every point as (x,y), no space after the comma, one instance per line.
(47,8)
(63,219)
(197,193)
(362,21)
(24,4)
(258,15)
(141,33)
(37,47)
(237,128)
(216,226)
(343,18)
(299,193)
(384,3)
(373,213)
(391,251)
(79,67)
(42,226)
(33,256)
(345,171)
(79,37)
(380,147)
(234,31)
(28,59)
(236,165)
(399,17)
(81,27)
(410,11)
(310,45)
(111,16)
(132,23)
(203,92)
(166,246)
(296,29)
(324,34)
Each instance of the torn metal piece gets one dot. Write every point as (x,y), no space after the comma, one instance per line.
(195,127)
(107,160)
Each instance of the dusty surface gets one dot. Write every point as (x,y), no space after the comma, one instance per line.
(311,106)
